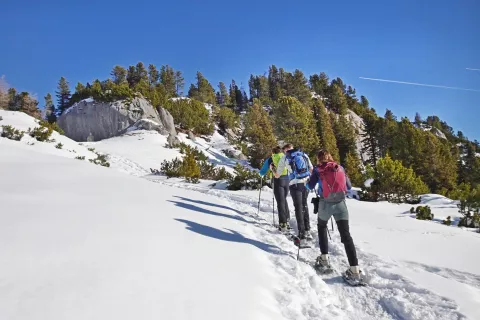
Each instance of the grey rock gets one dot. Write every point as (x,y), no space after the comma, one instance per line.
(89,120)
(191,136)
(173,141)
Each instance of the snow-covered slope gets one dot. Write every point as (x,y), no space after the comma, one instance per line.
(23,122)
(79,241)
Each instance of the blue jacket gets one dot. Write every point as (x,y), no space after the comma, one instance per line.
(315,179)
(266,166)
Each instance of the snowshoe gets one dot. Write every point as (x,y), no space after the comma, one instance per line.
(283,228)
(300,242)
(322,266)
(354,279)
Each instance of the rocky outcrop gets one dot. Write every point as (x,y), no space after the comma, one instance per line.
(89,120)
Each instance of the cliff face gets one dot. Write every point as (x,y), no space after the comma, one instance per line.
(89,120)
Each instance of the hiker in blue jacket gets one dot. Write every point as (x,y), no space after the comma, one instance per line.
(298,166)
(332,186)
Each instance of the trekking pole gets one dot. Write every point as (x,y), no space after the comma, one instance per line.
(331,219)
(273,206)
(329,234)
(259,194)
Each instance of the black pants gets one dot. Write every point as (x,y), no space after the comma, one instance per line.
(344,236)
(297,191)
(280,190)
(306,215)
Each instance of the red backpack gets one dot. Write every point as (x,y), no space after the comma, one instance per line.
(333,178)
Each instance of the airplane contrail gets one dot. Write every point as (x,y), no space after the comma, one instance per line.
(471,69)
(419,84)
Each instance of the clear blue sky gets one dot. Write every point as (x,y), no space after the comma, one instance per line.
(429,42)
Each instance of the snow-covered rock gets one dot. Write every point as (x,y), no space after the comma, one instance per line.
(102,120)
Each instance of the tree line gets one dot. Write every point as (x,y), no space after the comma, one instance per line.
(403,157)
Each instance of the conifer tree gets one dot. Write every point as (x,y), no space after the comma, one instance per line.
(190,169)
(132,77)
(141,72)
(337,101)
(223,98)
(179,83)
(233,94)
(418,119)
(153,74)
(370,138)
(353,167)
(63,95)
(364,102)
(327,140)
(258,132)
(167,78)
(388,133)
(119,75)
(296,85)
(50,115)
(295,124)
(79,87)
(345,134)
(203,91)
(319,84)
(275,83)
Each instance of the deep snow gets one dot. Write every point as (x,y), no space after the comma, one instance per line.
(79,241)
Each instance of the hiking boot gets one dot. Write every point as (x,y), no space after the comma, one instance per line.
(322,264)
(354,276)
(300,242)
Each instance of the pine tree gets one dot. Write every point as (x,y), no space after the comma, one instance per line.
(50,115)
(79,87)
(319,84)
(179,83)
(190,169)
(63,95)
(203,91)
(153,74)
(418,119)
(370,137)
(167,78)
(345,134)
(388,133)
(337,101)
(132,77)
(295,124)
(223,98)
(275,83)
(364,102)
(232,92)
(297,86)
(353,167)
(141,72)
(258,132)
(324,129)
(339,83)
(119,75)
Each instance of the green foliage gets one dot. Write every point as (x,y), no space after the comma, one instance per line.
(412,210)
(42,132)
(370,137)
(197,154)
(190,169)
(244,179)
(63,95)
(424,213)
(353,167)
(295,124)
(226,118)
(172,169)
(22,102)
(447,221)
(395,183)
(190,114)
(324,129)
(59,145)
(91,149)
(203,91)
(50,115)
(80,157)
(259,133)
(345,134)
(11,133)
(54,126)
(101,160)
